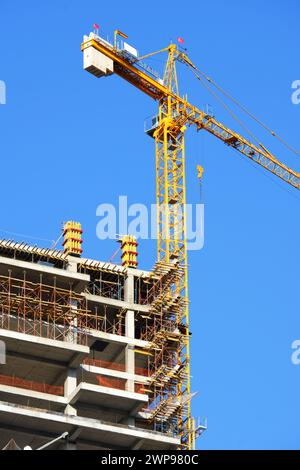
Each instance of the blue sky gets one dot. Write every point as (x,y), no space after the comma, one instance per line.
(70,142)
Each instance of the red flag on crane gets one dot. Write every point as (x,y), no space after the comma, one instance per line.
(96,26)
(180,40)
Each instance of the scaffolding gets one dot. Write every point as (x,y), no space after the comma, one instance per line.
(166,334)
(43,310)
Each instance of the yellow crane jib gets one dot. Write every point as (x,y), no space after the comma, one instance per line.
(101,59)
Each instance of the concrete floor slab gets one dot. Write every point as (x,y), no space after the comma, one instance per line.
(24,396)
(61,351)
(89,431)
(98,395)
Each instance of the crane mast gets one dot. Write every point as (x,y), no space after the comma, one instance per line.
(171,234)
(168,130)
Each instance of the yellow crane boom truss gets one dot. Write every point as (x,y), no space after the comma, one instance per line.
(194,115)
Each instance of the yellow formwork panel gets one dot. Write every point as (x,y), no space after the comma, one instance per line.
(72,233)
(129,251)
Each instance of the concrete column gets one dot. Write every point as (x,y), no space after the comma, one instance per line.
(72,265)
(129,331)
(129,289)
(129,351)
(69,386)
(68,445)
(73,334)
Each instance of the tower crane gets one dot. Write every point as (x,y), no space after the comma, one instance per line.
(175,115)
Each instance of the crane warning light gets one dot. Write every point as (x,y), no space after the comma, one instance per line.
(180,40)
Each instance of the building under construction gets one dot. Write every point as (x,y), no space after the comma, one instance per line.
(91,349)
(97,350)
